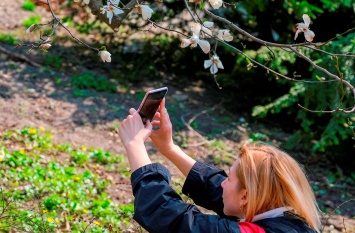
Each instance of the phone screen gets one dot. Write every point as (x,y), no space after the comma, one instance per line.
(151,104)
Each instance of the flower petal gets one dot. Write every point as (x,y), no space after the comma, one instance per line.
(117,11)
(213,69)
(196,28)
(309,35)
(216,3)
(296,34)
(219,64)
(146,12)
(208,32)
(205,45)
(109,16)
(86,1)
(185,43)
(207,63)
(208,24)
(306,19)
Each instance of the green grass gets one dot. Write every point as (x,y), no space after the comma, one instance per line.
(46,186)
(31,20)
(90,81)
(28,5)
(8,39)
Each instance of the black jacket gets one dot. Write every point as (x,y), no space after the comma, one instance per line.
(158,208)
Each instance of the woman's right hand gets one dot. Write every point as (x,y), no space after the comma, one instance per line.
(162,137)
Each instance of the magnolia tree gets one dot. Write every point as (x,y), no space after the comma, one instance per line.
(204,36)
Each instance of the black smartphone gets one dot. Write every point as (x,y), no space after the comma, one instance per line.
(150,103)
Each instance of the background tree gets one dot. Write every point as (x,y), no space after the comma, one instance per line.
(309,83)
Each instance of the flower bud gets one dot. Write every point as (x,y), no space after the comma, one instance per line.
(105,56)
(31,28)
(45,46)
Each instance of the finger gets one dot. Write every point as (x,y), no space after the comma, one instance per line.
(155,123)
(157,115)
(132,111)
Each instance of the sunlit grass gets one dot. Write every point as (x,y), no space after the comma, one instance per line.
(47,187)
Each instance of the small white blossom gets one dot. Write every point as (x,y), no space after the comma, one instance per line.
(216,3)
(224,35)
(85,1)
(195,40)
(111,9)
(303,27)
(45,46)
(214,63)
(105,56)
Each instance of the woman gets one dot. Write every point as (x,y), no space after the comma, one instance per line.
(265,191)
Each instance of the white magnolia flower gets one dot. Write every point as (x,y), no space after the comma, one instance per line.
(195,40)
(303,27)
(85,1)
(224,35)
(216,3)
(105,56)
(31,28)
(111,9)
(145,11)
(214,63)
(45,46)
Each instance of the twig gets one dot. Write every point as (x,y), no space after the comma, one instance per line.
(331,214)
(188,125)
(19,57)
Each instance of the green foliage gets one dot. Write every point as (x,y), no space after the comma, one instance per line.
(54,61)
(28,5)
(88,80)
(8,39)
(285,101)
(45,192)
(32,20)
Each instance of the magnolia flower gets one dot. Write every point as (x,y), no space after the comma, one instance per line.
(111,9)
(105,56)
(214,63)
(224,35)
(45,46)
(195,40)
(145,11)
(85,1)
(31,28)
(216,3)
(303,27)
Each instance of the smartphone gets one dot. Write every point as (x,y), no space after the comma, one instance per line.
(150,103)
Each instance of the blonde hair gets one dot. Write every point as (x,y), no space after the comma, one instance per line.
(274,179)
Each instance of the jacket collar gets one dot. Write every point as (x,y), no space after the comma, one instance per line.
(270,214)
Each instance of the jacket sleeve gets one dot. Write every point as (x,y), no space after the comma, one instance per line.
(158,208)
(203,186)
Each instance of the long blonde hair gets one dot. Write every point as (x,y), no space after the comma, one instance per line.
(274,179)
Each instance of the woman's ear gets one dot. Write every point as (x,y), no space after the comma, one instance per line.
(244,199)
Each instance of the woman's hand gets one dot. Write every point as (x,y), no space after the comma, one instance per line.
(162,137)
(133,131)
